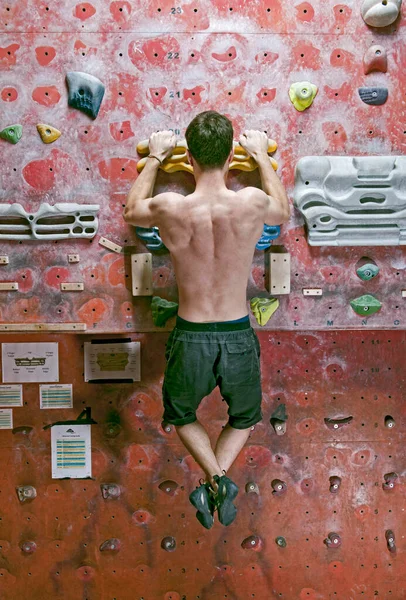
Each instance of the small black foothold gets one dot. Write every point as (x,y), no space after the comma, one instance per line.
(85,92)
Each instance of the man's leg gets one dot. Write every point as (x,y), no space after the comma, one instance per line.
(196,440)
(229,445)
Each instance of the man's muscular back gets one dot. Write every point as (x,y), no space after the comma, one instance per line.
(212,241)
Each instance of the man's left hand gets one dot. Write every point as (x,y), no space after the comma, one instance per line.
(162,144)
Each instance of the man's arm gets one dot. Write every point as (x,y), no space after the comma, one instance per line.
(141,207)
(278,209)
(277,202)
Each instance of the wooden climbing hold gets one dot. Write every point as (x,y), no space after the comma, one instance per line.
(48,133)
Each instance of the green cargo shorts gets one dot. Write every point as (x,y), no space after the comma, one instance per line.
(201,356)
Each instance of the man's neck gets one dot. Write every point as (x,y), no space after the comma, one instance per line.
(206,182)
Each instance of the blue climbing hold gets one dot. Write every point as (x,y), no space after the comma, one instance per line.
(269,233)
(150,235)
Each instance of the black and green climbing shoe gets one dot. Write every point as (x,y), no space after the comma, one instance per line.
(202,498)
(226,492)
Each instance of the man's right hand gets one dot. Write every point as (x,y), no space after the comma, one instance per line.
(254,142)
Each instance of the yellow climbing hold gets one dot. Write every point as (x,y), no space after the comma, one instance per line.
(181,146)
(263,309)
(302,94)
(48,133)
(178,161)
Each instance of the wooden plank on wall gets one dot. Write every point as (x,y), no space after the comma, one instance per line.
(141,273)
(279,271)
(43,326)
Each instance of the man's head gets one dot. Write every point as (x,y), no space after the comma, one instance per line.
(210,140)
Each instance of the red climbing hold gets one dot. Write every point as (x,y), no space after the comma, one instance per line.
(375,59)
(45,54)
(9,94)
(47,96)
(84,11)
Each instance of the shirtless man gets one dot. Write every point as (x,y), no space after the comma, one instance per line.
(211,235)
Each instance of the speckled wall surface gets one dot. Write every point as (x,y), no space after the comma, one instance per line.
(318,376)
(162,63)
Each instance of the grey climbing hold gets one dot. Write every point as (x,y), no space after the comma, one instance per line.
(373,95)
(57,222)
(252,488)
(352,201)
(380,13)
(12,133)
(85,92)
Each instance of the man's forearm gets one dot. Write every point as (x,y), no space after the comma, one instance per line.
(143,186)
(271,184)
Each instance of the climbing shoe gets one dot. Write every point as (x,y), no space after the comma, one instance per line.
(226,492)
(202,498)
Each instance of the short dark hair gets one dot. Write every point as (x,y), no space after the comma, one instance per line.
(210,139)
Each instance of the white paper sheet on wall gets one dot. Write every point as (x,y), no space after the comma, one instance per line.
(120,360)
(6,418)
(71,451)
(30,362)
(11,395)
(57,395)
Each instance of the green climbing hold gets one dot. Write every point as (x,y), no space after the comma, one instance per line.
(366,305)
(368,271)
(162,310)
(263,309)
(12,133)
(280,541)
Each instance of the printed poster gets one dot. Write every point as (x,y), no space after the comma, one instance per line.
(71,451)
(30,362)
(11,395)
(57,395)
(119,360)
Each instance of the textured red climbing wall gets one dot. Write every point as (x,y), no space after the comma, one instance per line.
(161,63)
